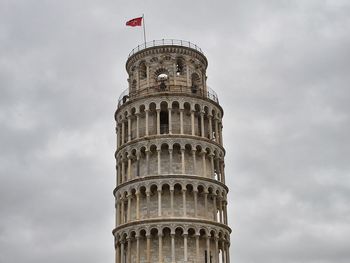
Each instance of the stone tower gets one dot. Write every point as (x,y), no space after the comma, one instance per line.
(171,197)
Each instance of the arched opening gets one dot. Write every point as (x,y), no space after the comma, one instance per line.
(179,66)
(187,119)
(164,118)
(162,76)
(143,70)
(195,83)
(175,117)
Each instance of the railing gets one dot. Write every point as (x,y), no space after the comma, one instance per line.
(165,42)
(126,95)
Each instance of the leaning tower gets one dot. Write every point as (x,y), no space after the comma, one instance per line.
(171,197)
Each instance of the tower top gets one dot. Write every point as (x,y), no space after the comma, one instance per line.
(166,46)
(165,42)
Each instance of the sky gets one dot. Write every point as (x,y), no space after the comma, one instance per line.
(280,69)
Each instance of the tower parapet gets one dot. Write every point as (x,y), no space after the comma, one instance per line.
(171,197)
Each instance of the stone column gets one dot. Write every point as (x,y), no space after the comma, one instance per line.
(119,172)
(223,258)
(181,121)
(215,209)
(148,203)
(129,128)
(194,161)
(117,213)
(208,247)
(220,132)
(195,197)
(184,201)
(170,161)
(128,216)
(147,162)
(137,249)
(122,211)
(183,160)
(210,127)
(228,252)
(172,247)
(185,247)
(205,203)
(212,172)
(129,167)
(159,202)
(148,249)
(216,131)
(137,125)
(138,164)
(218,169)
(159,165)
(129,250)
(225,213)
(146,121)
(192,122)
(223,172)
(204,164)
(172,201)
(137,204)
(220,210)
(158,121)
(216,249)
(170,121)
(117,130)
(160,248)
(202,125)
(122,252)
(123,132)
(117,253)
(123,171)
(197,249)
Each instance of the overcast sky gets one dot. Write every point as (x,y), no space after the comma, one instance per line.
(281,70)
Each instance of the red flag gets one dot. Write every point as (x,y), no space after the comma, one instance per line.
(135,22)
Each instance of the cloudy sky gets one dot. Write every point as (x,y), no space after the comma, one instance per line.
(281,70)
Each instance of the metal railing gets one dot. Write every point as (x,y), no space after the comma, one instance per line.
(127,96)
(165,42)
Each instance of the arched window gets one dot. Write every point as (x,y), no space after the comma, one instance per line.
(162,76)
(179,66)
(143,70)
(195,82)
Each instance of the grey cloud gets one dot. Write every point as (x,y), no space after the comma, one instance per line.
(280,69)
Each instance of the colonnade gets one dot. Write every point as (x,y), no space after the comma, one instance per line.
(128,202)
(202,123)
(203,162)
(194,246)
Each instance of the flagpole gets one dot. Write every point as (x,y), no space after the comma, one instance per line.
(144,28)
